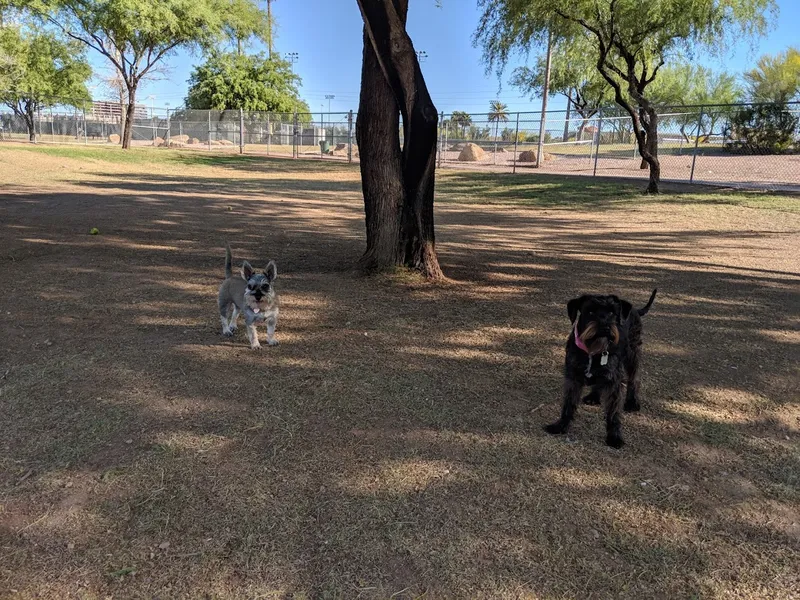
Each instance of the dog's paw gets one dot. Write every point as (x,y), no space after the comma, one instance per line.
(272,342)
(632,405)
(592,399)
(615,441)
(555,428)
(255,347)
(227,332)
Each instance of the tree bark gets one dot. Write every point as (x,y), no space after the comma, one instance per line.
(649,140)
(130,111)
(398,186)
(378,138)
(30,121)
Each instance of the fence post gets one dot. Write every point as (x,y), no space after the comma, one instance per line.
(52,126)
(39,114)
(350,136)
(597,145)
(441,138)
(295,149)
(209,130)
(241,131)
(85,137)
(516,137)
(445,142)
(269,134)
(169,130)
(696,142)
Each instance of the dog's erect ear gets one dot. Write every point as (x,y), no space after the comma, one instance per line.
(247,271)
(271,271)
(623,307)
(574,305)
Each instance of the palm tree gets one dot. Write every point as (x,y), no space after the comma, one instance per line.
(461,119)
(497,112)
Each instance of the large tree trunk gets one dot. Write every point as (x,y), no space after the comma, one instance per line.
(648,146)
(130,111)
(30,121)
(392,180)
(378,138)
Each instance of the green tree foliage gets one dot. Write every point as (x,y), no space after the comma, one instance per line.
(633,39)
(573,74)
(695,86)
(498,113)
(253,83)
(763,129)
(245,22)
(137,35)
(776,78)
(461,120)
(37,70)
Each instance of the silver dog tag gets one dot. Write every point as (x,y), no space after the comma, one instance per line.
(604,359)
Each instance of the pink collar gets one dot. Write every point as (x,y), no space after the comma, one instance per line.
(578,341)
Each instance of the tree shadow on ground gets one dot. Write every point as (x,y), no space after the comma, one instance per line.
(391,445)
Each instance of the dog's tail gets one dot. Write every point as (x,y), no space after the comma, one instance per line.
(228,262)
(643,311)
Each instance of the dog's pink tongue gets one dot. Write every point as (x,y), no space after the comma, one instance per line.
(256,309)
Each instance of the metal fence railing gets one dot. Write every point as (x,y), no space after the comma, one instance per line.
(704,144)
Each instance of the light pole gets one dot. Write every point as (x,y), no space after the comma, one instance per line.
(292,57)
(269,24)
(330,97)
(542,125)
(421,55)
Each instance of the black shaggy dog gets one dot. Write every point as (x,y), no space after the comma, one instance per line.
(603,350)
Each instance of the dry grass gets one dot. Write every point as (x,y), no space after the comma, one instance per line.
(391,445)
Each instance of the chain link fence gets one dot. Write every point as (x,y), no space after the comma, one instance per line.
(743,145)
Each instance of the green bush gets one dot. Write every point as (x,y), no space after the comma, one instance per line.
(763,129)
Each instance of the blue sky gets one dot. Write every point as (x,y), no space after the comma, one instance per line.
(327,36)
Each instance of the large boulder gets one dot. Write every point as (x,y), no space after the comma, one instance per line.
(180,138)
(159,141)
(193,141)
(114,138)
(224,142)
(472,153)
(340,147)
(527,156)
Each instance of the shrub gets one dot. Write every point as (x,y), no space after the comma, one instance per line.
(762,129)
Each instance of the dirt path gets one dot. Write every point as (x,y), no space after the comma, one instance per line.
(391,444)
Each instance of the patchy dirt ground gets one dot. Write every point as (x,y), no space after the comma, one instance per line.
(391,445)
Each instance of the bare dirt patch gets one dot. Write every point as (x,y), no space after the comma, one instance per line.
(392,444)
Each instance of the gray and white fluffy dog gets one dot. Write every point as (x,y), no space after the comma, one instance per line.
(252,294)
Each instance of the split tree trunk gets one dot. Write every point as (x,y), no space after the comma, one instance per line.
(398,185)
(647,139)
